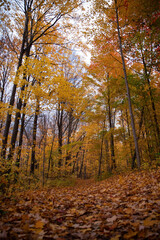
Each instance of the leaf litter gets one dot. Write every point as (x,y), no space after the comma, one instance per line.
(121,207)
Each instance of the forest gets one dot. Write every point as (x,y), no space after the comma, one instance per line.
(79,119)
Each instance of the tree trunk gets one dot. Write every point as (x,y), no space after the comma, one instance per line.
(60,135)
(75,162)
(17,117)
(101,151)
(82,162)
(33,159)
(100,158)
(127,88)
(44,150)
(140,126)
(113,163)
(152,101)
(3,86)
(13,94)
(20,138)
(70,121)
(50,157)
(129,134)
(124,137)
(108,169)
(15,128)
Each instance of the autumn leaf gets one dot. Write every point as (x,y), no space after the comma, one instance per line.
(73,215)
(128,210)
(148,222)
(130,234)
(39,224)
(117,237)
(112,219)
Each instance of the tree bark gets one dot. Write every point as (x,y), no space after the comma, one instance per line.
(100,157)
(33,159)
(44,149)
(108,168)
(60,134)
(152,100)
(140,126)
(20,138)
(70,121)
(113,162)
(50,160)
(82,163)
(12,99)
(127,88)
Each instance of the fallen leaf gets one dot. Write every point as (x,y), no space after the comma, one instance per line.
(130,234)
(128,210)
(39,224)
(112,219)
(148,222)
(81,212)
(117,237)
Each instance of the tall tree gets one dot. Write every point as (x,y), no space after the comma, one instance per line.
(142,39)
(127,87)
(38,22)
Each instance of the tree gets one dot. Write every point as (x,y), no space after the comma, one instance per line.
(5,72)
(142,39)
(37,24)
(127,87)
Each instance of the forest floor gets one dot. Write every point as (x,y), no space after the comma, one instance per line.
(125,206)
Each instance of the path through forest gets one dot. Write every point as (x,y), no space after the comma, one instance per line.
(122,207)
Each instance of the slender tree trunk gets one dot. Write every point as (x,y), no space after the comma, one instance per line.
(149,146)
(5,75)
(13,94)
(122,120)
(68,157)
(101,151)
(44,149)
(60,134)
(127,87)
(108,169)
(149,121)
(17,117)
(44,160)
(21,133)
(33,159)
(27,156)
(152,101)
(82,163)
(85,172)
(50,156)
(77,167)
(149,141)
(113,162)
(100,157)
(129,133)
(124,136)
(20,138)
(74,163)
(140,126)
(15,128)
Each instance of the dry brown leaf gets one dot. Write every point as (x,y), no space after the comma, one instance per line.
(112,219)
(130,234)
(128,210)
(149,222)
(117,237)
(39,224)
